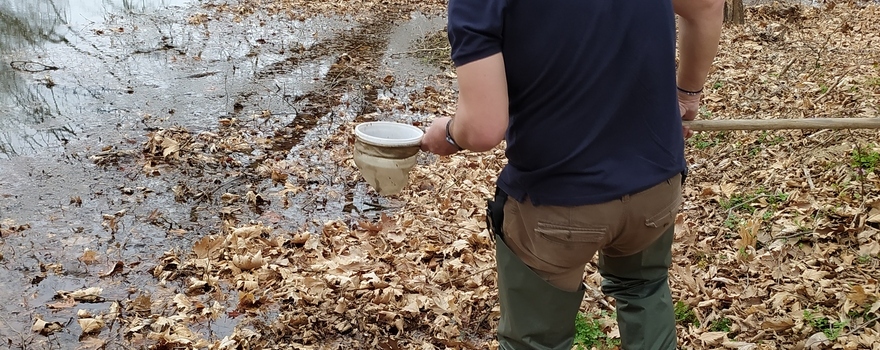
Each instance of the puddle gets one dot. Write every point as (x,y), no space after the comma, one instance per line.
(73,70)
(41,94)
(85,79)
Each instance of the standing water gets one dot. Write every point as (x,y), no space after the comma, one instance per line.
(56,75)
(85,78)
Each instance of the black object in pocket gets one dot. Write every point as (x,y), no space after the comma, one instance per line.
(495,212)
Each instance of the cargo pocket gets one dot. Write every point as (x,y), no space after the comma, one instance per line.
(565,246)
(665,217)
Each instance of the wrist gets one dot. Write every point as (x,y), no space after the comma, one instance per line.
(449,138)
(689,92)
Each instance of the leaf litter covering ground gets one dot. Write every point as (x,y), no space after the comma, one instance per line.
(777,245)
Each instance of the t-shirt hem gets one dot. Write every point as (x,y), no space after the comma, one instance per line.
(573,201)
(474,56)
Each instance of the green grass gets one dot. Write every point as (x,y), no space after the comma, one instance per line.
(865,160)
(684,314)
(744,253)
(590,333)
(861,313)
(721,325)
(768,139)
(741,203)
(704,140)
(733,222)
(865,259)
(824,324)
(703,259)
(705,112)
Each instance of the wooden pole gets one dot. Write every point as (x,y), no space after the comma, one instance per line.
(734,12)
(780,124)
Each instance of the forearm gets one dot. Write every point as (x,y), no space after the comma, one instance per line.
(699,34)
(482,112)
(481,116)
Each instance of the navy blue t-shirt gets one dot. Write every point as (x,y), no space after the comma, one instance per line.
(593,109)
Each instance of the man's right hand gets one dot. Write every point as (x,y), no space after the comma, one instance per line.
(689,105)
(699,34)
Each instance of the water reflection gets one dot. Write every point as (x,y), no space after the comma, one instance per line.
(31,117)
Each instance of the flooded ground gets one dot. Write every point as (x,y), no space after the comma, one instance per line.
(86,85)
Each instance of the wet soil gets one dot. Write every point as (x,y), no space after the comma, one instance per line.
(87,85)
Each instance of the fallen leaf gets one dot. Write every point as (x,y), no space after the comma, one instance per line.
(778,325)
(91,343)
(90,325)
(46,328)
(248,262)
(89,257)
(870,249)
(817,341)
(88,295)
(117,267)
(250,231)
(142,304)
(300,238)
(739,345)
(207,245)
(857,295)
(815,275)
(713,338)
(170,147)
(63,304)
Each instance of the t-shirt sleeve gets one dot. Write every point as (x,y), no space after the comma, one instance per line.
(475,29)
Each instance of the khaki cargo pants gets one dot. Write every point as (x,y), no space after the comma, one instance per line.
(633,236)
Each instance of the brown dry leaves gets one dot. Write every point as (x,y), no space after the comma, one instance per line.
(424,271)
(9,226)
(777,245)
(775,237)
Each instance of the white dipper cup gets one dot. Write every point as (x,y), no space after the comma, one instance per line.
(385,152)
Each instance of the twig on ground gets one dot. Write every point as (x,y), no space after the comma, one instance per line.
(468,276)
(787,66)
(836,83)
(430,49)
(863,325)
(793,235)
(744,203)
(809,179)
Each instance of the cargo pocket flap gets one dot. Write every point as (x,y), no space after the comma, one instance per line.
(572,234)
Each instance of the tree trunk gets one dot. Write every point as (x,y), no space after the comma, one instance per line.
(734,12)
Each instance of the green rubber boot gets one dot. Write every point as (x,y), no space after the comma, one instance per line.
(535,315)
(640,285)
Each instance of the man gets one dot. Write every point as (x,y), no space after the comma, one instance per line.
(584,92)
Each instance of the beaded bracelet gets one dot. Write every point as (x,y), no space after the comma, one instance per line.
(691,93)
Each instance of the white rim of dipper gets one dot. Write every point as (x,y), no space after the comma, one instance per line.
(380,134)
